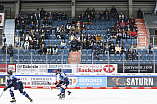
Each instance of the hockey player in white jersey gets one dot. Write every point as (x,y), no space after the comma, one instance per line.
(62,82)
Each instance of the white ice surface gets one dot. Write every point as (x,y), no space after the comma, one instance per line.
(85,96)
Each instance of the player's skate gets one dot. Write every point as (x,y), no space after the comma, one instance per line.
(59,94)
(30,100)
(62,96)
(13,100)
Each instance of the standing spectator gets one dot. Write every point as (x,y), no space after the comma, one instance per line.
(55,49)
(96,54)
(121,17)
(4,48)
(26,45)
(129,55)
(139,13)
(135,55)
(17,40)
(73,45)
(49,49)
(42,13)
(112,49)
(113,10)
(78,29)
(117,49)
(124,36)
(150,49)
(11,52)
(1,8)
(22,40)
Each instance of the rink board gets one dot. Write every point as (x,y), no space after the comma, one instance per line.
(88,81)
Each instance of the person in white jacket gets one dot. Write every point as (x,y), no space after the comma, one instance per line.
(17,40)
(26,45)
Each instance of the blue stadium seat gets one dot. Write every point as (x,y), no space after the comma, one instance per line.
(101,61)
(118,62)
(145,51)
(151,57)
(98,27)
(83,61)
(103,32)
(129,41)
(97,31)
(53,61)
(54,56)
(88,27)
(117,56)
(129,61)
(93,32)
(92,27)
(101,56)
(112,57)
(102,27)
(0,51)
(145,56)
(89,61)
(89,56)
(146,61)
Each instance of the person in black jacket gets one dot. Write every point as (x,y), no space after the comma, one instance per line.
(42,50)
(112,49)
(37,45)
(74,45)
(1,8)
(129,55)
(96,54)
(139,13)
(135,55)
(11,52)
(4,49)
(49,49)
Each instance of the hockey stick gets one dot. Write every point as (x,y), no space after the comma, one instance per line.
(1,94)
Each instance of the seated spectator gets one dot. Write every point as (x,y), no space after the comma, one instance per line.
(94,47)
(83,30)
(73,45)
(108,34)
(82,37)
(71,37)
(123,49)
(78,29)
(101,49)
(96,54)
(90,44)
(150,49)
(29,38)
(139,13)
(98,38)
(55,49)
(129,55)
(112,49)
(37,45)
(26,44)
(63,44)
(42,50)
(121,17)
(118,27)
(134,34)
(112,28)
(128,34)
(68,27)
(97,16)
(135,55)
(122,24)
(92,38)
(22,40)
(32,25)
(77,37)
(117,49)
(4,48)
(106,48)
(17,40)
(79,45)
(85,44)
(64,16)
(88,19)
(21,32)
(49,49)
(113,34)
(31,44)
(124,36)
(11,52)
(78,23)
(119,37)
(111,42)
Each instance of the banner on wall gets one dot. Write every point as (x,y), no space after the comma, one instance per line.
(133,68)
(2,80)
(131,81)
(9,67)
(97,68)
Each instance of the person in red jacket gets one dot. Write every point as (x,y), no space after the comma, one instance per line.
(78,23)
(134,34)
(122,24)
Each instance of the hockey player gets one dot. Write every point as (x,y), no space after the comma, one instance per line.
(15,84)
(62,82)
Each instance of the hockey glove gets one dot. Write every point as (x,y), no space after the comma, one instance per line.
(5,88)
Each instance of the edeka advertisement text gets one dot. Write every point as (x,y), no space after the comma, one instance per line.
(131,81)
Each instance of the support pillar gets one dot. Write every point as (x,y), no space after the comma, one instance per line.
(73,8)
(17,7)
(130,7)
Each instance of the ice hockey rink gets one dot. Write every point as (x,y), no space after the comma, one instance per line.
(85,96)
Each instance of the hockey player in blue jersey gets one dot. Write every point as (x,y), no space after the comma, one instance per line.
(62,82)
(15,84)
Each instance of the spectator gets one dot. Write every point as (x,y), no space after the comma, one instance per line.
(37,45)
(42,13)
(31,44)
(82,37)
(78,29)
(124,36)
(42,49)
(118,27)
(82,16)
(92,16)
(113,10)
(97,16)
(117,49)
(93,10)
(55,49)
(54,16)
(108,34)
(122,24)
(101,49)
(112,49)
(21,32)
(83,29)
(135,55)
(28,38)
(37,12)
(139,13)
(71,37)
(59,16)
(73,21)
(134,34)
(49,49)
(106,48)
(96,54)
(78,23)
(121,17)
(77,37)
(79,45)
(150,49)
(129,55)
(73,45)
(113,34)
(94,47)
(4,48)
(63,44)
(1,8)
(84,44)
(11,52)
(26,45)
(22,40)
(92,38)
(88,20)
(98,38)
(119,37)
(64,16)
(17,40)
(123,49)
(128,34)
(88,11)
(111,42)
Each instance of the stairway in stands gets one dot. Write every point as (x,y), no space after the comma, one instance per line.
(142,37)
(9,31)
